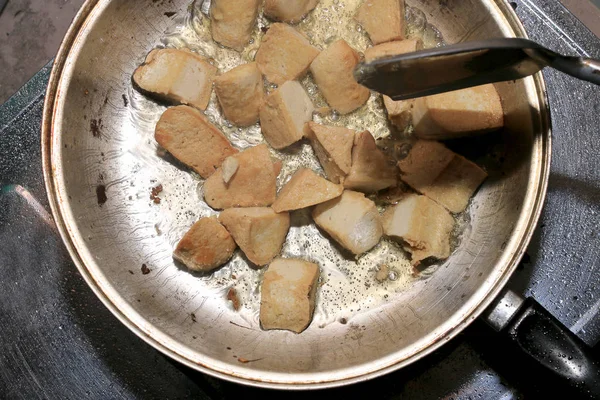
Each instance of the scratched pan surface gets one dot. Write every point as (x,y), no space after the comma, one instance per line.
(101,163)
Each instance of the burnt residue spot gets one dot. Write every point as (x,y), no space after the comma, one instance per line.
(125,101)
(264,29)
(95,127)
(343,321)
(232,296)
(131,272)
(101,194)
(513,4)
(154,194)
(145,269)
(193,316)
(106,100)
(169,14)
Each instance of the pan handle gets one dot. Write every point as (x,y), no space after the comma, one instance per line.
(546,342)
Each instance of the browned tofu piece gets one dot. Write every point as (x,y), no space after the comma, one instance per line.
(371,170)
(422,225)
(284,114)
(254,184)
(399,112)
(383,20)
(333,146)
(460,113)
(232,22)
(284,54)
(187,134)
(288,295)
(333,71)
(291,11)
(178,76)
(352,220)
(425,162)
(260,232)
(455,186)
(206,246)
(241,94)
(306,189)
(442,175)
(392,49)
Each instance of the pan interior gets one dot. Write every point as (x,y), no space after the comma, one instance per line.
(105,164)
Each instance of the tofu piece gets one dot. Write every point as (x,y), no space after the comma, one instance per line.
(253,185)
(288,294)
(178,76)
(284,54)
(306,189)
(333,71)
(260,232)
(442,175)
(399,112)
(422,225)
(284,114)
(455,186)
(206,246)
(333,147)
(384,20)
(186,133)
(291,11)
(460,113)
(232,22)
(241,94)
(392,49)
(370,171)
(352,220)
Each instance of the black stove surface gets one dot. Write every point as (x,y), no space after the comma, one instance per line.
(57,340)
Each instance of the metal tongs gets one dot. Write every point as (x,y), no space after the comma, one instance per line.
(463,65)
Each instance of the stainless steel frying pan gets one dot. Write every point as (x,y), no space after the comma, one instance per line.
(101,163)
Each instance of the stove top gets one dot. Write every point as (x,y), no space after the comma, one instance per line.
(57,340)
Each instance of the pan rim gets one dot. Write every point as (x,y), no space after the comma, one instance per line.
(543,141)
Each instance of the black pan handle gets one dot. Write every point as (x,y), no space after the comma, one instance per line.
(562,355)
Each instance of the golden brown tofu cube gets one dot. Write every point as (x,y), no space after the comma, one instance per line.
(425,162)
(392,49)
(333,147)
(178,76)
(422,225)
(241,94)
(284,114)
(288,295)
(333,71)
(187,134)
(284,54)
(442,175)
(260,232)
(232,22)
(371,171)
(399,112)
(352,220)
(383,20)
(306,189)
(460,113)
(254,184)
(455,186)
(291,11)
(206,246)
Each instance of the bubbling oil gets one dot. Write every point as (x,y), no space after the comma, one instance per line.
(348,284)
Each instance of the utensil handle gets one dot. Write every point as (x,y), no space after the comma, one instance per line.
(554,347)
(586,69)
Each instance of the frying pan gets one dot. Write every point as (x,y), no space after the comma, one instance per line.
(101,164)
